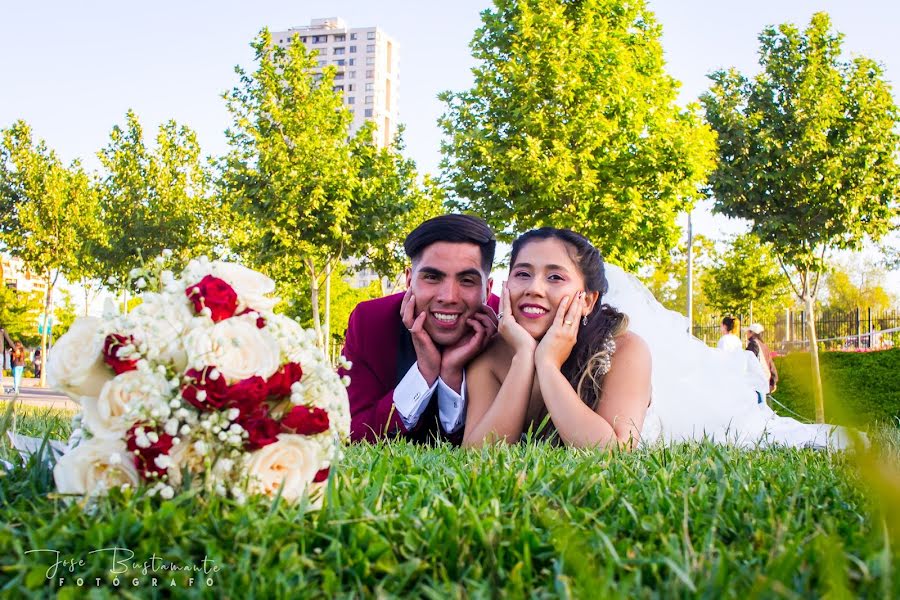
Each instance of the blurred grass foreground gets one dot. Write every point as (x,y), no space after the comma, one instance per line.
(526,520)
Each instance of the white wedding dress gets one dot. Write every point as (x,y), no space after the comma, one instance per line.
(701,392)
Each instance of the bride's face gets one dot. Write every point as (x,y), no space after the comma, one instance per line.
(543,274)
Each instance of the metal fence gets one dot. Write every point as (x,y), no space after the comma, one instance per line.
(836,330)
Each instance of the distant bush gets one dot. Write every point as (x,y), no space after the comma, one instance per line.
(860,388)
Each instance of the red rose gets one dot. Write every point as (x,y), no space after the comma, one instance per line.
(262,430)
(145,459)
(247,394)
(215,395)
(305,420)
(280,383)
(260,321)
(321,475)
(111,346)
(216,295)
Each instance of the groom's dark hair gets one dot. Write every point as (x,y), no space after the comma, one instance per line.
(729,324)
(456,229)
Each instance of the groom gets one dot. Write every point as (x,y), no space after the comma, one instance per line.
(409,350)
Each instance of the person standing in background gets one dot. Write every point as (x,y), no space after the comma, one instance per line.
(18,365)
(729,341)
(762,351)
(37,361)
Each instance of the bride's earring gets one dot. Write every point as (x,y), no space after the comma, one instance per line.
(584,320)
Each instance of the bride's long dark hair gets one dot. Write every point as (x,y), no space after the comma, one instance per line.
(589,359)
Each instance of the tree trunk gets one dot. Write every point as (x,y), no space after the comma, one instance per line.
(814,356)
(327,324)
(43,381)
(314,298)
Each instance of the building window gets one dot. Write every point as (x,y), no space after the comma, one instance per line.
(370,87)
(370,74)
(340,62)
(370,48)
(319,39)
(322,63)
(370,99)
(370,35)
(351,74)
(368,113)
(351,100)
(352,36)
(352,49)
(339,50)
(338,75)
(350,87)
(303,39)
(352,62)
(339,37)
(370,61)
(338,88)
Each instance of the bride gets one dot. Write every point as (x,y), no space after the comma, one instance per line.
(587,345)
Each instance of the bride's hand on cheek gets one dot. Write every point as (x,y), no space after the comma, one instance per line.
(510,330)
(559,340)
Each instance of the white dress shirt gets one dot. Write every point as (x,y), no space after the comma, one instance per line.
(412,394)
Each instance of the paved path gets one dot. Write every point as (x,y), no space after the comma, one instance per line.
(33,395)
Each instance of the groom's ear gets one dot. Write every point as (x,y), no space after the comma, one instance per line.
(488,288)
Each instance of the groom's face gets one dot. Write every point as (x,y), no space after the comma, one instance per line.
(449,285)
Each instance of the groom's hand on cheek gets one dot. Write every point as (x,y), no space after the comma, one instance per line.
(428,356)
(483,325)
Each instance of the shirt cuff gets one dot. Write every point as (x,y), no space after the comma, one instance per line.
(451,406)
(411,396)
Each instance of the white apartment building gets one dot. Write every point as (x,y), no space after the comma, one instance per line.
(366,59)
(15,274)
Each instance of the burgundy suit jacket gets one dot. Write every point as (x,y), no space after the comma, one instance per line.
(381,350)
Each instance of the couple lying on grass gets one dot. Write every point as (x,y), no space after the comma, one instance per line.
(571,343)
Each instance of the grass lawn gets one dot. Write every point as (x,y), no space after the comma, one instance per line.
(860,388)
(520,521)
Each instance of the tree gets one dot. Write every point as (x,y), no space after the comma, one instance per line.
(151,200)
(19,314)
(857,284)
(667,278)
(807,154)
(573,122)
(45,209)
(301,194)
(746,278)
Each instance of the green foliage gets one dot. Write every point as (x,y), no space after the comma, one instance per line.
(857,284)
(667,278)
(19,314)
(151,200)
(860,387)
(63,315)
(573,122)
(344,299)
(302,197)
(746,279)
(807,149)
(526,520)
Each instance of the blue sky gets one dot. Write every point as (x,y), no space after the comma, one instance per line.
(72,69)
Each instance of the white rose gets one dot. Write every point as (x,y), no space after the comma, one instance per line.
(94,467)
(114,410)
(75,365)
(293,459)
(251,287)
(236,347)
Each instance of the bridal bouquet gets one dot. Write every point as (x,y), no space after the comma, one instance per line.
(201,384)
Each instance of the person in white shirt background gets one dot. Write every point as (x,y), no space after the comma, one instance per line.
(729,341)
